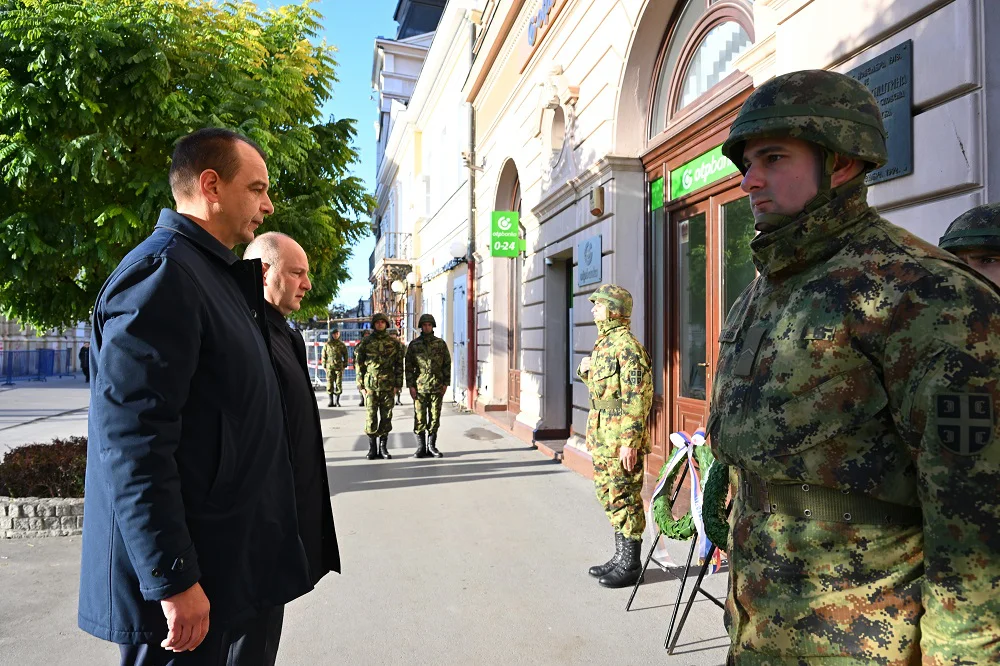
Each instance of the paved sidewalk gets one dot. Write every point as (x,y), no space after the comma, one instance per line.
(477,558)
(41,411)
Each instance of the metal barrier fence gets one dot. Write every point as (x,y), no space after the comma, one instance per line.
(35,365)
(315,339)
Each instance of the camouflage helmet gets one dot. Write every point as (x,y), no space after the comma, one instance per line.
(977,227)
(334,329)
(428,318)
(618,300)
(378,316)
(826,108)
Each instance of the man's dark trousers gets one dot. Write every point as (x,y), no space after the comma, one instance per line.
(255,643)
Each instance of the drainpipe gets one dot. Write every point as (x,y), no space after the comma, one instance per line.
(472,322)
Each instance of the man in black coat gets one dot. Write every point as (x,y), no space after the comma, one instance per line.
(286,281)
(191,544)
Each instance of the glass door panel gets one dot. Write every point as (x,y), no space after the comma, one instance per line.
(692,307)
(738,269)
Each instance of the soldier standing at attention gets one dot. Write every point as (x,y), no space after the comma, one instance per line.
(974,237)
(364,334)
(334,361)
(394,334)
(380,377)
(856,397)
(428,374)
(617,374)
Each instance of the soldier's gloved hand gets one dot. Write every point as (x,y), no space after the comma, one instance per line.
(629,458)
(585,365)
(413,393)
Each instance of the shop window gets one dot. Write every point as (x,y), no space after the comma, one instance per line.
(713,61)
(704,39)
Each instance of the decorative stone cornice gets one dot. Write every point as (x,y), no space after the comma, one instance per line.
(569,192)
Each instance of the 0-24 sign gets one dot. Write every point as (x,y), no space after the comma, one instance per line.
(504,234)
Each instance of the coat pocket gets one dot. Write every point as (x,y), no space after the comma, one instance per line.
(838,406)
(222,483)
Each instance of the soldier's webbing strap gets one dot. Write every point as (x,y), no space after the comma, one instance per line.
(605,404)
(813,502)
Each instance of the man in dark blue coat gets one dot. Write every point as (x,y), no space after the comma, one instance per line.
(190,545)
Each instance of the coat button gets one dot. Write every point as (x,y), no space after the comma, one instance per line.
(178,564)
(156,573)
(254,313)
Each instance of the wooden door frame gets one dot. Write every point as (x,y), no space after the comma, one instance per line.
(514,314)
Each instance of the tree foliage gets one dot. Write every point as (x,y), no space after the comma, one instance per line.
(93,96)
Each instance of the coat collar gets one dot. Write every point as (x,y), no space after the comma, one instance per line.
(812,238)
(275,317)
(171,219)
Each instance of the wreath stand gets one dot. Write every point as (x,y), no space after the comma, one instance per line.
(669,644)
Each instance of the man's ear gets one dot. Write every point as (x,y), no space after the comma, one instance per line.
(208,183)
(845,169)
(264,268)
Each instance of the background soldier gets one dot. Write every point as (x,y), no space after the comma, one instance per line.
(364,334)
(856,395)
(379,362)
(974,237)
(617,374)
(334,361)
(394,334)
(428,374)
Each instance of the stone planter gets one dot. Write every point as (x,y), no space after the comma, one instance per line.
(31,517)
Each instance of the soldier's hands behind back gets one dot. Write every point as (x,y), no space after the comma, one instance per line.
(585,365)
(629,458)
(187,619)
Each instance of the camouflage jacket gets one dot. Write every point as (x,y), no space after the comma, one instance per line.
(428,364)
(379,362)
(619,371)
(838,367)
(334,355)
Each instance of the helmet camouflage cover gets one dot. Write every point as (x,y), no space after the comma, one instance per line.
(829,109)
(976,227)
(426,318)
(378,316)
(618,300)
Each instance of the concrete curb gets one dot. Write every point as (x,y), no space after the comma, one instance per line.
(32,517)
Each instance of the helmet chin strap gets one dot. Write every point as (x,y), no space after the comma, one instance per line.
(769,222)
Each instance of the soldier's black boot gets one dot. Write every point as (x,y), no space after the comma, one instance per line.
(362,403)
(373,448)
(338,400)
(421,446)
(628,569)
(331,401)
(606,568)
(383,447)
(432,448)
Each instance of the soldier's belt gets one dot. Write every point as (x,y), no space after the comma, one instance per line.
(605,404)
(818,503)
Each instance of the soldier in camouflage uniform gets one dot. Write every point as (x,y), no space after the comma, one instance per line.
(618,377)
(428,374)
(856,396)
(334,360)
(974,237)
(364,334)
(379,362)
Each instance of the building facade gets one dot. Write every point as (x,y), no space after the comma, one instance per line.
(598,122)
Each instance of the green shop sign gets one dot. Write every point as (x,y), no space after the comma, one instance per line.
(505,240)
(656,194)
(699,172)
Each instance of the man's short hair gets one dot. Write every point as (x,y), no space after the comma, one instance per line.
(266,247)
(210,148)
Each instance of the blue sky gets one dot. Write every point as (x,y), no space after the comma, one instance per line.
(352,26)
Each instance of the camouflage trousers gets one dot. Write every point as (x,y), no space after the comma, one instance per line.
(334,382)
(619,492)
(427,412)
(378,412)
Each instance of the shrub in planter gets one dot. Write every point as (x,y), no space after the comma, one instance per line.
(45,470)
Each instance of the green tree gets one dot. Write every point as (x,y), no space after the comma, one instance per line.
(93,96)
